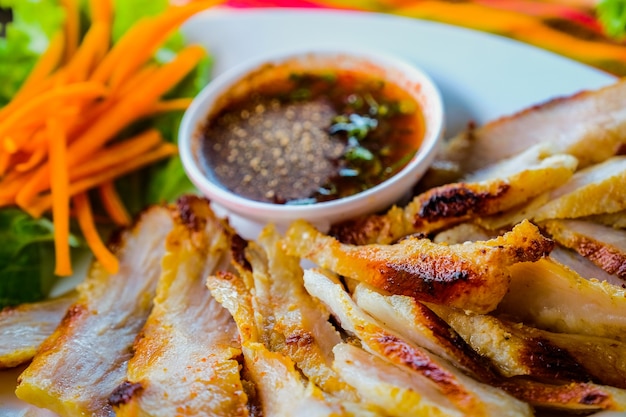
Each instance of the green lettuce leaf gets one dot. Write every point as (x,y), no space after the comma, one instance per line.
(26,244)
(27,36)
(26,257)
(128,12)
(612,16)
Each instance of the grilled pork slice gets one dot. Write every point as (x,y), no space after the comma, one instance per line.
(280,389)
(597,189)
(81,363)
(420,325)
(590,125)
(571,398)
(394,389)
(615,220)
(582,266)
(603,245)
(495,189)
(298,324)
(186,355)
(467,395)
(550,296)
(24,328)
(471,276)
(522,350)
(464,232)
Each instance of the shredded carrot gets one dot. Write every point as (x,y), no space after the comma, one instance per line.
(135,82)
(113,204)
(11,184)
(120,153)
(33,160)
(135,105)
(72,27)
(45,65)
(60,134)
(5,159)
(24,95)
(89,52)
(88,227)
(144,43)
(60,197)
(34,108)
(43,203)
(101,11)
(171,105)
(10,145)
(116,54)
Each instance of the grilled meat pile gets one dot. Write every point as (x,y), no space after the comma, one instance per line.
(499,290)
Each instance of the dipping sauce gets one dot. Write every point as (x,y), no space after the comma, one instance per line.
(302,137)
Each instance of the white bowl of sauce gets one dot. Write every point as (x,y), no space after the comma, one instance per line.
(324,135)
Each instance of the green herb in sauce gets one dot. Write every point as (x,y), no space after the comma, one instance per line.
(311,137)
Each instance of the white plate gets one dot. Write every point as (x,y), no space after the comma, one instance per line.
(481,76)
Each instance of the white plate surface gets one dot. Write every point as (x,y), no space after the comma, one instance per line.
(481,76)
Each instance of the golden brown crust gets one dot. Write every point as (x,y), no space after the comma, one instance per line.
(499,188)
(593,247)
(472,276)
(83,361)
(574,396)
(460,201)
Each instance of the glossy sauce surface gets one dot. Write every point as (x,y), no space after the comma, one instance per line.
(307,137)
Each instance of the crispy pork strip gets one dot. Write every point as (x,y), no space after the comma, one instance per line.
(280,389)
(418,324)
(615,220)
(81,363)
(603,245)
(467,394)
(573,397)
(493,190)
(517,349)
(550,296)
(597,189)
(590,125)
(473,276)
(582,266)
(397,391)
(24,328)
(464,232)
(298,323)
(185,358)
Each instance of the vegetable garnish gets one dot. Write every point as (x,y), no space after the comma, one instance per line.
(612,16)
(60,135)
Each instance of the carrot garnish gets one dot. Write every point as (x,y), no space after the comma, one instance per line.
(101,11)
(144,40)
(43,203)
(171,105)
(72,27)
(88,227)
(135,105)
(50,59)
(33,160)
(33,109)
(90,51)
(113,204)
(60,196)
(60,134)
(5,160)
(120,153)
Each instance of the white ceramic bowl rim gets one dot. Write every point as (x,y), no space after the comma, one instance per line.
(200,108)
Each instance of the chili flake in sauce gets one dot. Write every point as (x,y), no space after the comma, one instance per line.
(312,137)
